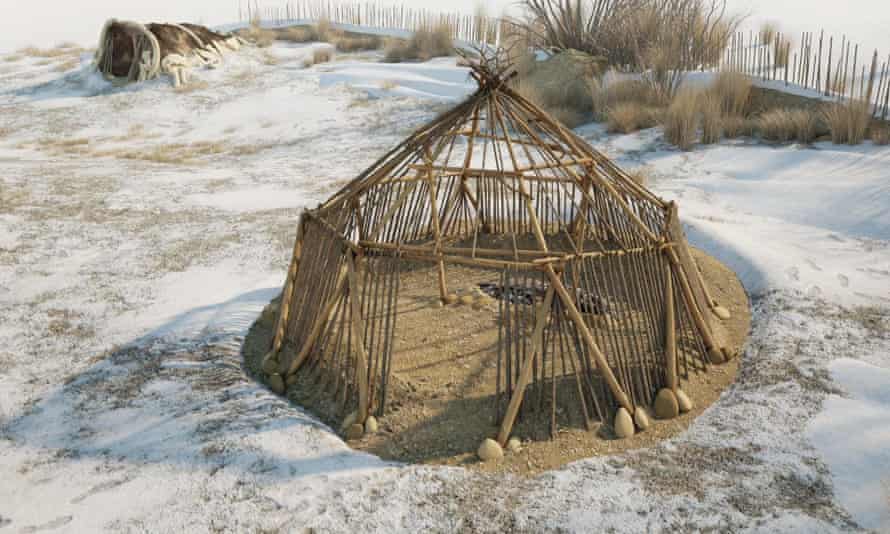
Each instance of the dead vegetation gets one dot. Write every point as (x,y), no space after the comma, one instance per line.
(848,122)
(784,125)
(424,44)
(681,119)
(322,32)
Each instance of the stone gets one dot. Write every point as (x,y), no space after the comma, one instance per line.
(641,418)
(348,421)
(371,425)
(270,364)
(715,355)
(276,383)
(721,312)
(450,299)
(729,354)
(355,431)
(290,380)
(624,425)
(666,406)
(514,445)
(268,315)
(684,403)
(490,451)
(467,300)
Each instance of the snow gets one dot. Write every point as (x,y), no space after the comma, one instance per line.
(127,286)
(852,433)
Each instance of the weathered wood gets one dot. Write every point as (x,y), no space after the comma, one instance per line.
(320,322)
(527,367)
(357,337)
(587,337)
(670,332)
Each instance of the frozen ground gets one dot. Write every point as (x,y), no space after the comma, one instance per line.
(142,230)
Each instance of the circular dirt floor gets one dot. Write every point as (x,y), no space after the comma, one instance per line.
(444,359)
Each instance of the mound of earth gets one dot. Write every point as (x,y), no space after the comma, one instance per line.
(444,363)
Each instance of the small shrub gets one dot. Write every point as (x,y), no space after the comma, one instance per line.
(733,90)
(609,97)
(785,125)
(347,43)
(628,117)
(880,135)
(681,119)
(424,44)
(848,122)
(711,120)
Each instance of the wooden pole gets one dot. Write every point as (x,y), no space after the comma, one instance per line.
(527,368)
(320,321)
(670,331)
(714,352)
(358,345)
(587,337)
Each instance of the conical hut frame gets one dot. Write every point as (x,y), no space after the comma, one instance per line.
(496,164)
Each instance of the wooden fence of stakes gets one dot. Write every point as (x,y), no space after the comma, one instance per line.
(809,61)
(609,309)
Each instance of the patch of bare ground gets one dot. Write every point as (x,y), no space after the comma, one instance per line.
(440,403)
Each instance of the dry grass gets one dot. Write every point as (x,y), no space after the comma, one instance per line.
(193,85)
(733,89)
(880,135)
(424,44)
(738,126)
(357,43)
(12,58)
(681,119)
(33,51)
(607,98)
(784,125)
(711,119)
(627,117)
(848,122)
(269,58)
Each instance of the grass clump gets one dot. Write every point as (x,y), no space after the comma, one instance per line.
(711,119)
(628,117)
(732,89)
(319,55)
(681,119)
(738,126)
(784,125)
(424,44)
(847,123)
(880,135)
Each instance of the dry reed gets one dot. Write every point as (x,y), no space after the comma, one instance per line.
(880,135)
(424,44)
(628,117)
(733,89)
(784,125)
(711,119)
(681,119)
(847,122)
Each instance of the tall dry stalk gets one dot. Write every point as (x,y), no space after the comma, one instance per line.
(711,119)
(681,119)
(732,89)
(848,122)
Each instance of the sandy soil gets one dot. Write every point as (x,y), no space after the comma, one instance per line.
(445,361)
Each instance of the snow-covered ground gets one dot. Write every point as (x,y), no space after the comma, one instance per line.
(143,229)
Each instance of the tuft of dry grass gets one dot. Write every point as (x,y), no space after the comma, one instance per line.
(12,58)
(785,125)
(681,119)
(424,44)
(711,119)
(880,135)
(357,43)
(847,122)
(192,86)
(737,126)
(627,117)
(33,51)
(733,89)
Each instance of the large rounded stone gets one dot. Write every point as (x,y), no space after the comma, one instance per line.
(355,431)
(450,299)
(270,364)
(290,380)
(348,421)
(715,355)
(467,300)
(371,425)
(624,425)
(490,451)
(268,315)
(276,383)
(721,312)
(684,403)
(514,445)
(666,406)
(641,418)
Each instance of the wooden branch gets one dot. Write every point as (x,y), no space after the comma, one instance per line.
(527,367)
(317,328)
(287,292)
(704,329)
(577,318)
(670,331)
(403,196)
(358,345)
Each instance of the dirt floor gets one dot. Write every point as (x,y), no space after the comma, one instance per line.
(444,368)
